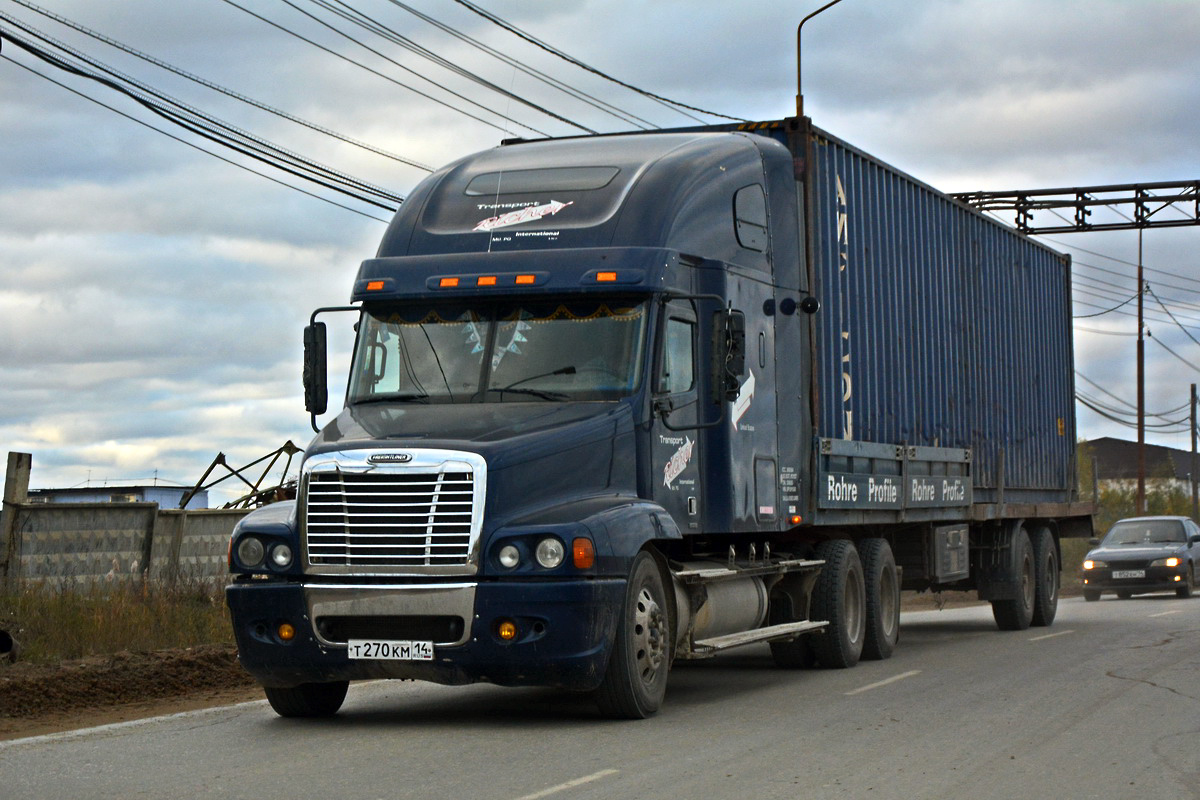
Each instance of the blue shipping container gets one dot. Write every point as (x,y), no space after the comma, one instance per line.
(939,327)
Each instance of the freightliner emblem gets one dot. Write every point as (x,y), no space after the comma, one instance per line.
(389,458)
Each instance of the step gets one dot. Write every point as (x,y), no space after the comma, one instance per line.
(786,630)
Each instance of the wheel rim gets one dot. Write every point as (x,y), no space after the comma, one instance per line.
(649,641)
(1027,581)
(855,617)
(1051,577)
(888,603)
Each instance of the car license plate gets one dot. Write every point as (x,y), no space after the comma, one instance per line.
(388,650)
(1128,573)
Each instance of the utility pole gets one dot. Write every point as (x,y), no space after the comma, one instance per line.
(1192,467)
(1141,387)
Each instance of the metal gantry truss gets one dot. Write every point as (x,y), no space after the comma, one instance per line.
(1169,204)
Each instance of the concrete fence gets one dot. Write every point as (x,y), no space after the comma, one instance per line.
(77,544)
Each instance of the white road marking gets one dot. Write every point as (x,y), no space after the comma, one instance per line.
(884,682)
(1050,636)
(1165,613)
(562,787)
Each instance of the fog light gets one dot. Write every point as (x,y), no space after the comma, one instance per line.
(509,556)
(507,630)
(281,555)
(286,632)
(550,553)
(1178,578)
(250,552)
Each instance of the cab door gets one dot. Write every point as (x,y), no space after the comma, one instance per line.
(674,446)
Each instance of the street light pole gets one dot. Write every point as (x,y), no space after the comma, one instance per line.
(1141,387)
(799,82)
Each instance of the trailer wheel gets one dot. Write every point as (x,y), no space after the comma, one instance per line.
(1015,614)
(1091,595)
(1045,561)
(839,598)
(636,679)
(882,588)
(308,699)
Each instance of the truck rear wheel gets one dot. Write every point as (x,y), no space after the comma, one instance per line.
(839,598)
(308,699)
(1045,563)
(1015,613)
(636,679)
(882,589)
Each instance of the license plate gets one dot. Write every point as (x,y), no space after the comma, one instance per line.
(388,650)
(1128,573)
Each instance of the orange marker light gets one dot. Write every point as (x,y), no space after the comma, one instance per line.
(526,279)
(374,286)
(583,553)
(286,632)
(795,519)
(486,280)
(606,277)
(448,283)
(507,630)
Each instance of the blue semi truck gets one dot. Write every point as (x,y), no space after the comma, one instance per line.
(621,400)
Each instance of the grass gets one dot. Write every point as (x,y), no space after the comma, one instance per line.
(56,623)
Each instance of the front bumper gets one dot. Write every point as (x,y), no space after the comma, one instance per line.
(1156,579)
(566,629)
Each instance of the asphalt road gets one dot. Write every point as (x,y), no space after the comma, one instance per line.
(1105,704)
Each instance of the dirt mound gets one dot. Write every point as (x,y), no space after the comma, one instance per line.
(71,689)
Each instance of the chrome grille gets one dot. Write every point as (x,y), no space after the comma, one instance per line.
(416,517)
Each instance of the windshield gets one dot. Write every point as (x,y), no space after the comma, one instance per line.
(1132,533)
(516,352)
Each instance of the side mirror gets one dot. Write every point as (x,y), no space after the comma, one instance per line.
(729,354)
(316,389)
(1094,542)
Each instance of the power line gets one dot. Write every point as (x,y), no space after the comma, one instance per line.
(184,141)
(513,29)
(203,124)
(216,87)
(369,24)
(390,79)
(578,94)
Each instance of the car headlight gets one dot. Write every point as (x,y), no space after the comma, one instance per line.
(550,553)
(1172,561)
(250,552)
(1093,564)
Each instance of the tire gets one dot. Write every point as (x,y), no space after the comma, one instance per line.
(1015,614)
(1091,595)
(1124,595)
(1189,583)
(797,653)
(636,679)
(882,590)
(839,597)
(1046,575)
(308,699)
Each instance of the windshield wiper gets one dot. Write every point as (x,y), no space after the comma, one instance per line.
(394,397)
(557,397)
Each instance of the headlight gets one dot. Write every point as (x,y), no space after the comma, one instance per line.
(1173,561)
(509,556)
(281,556)
(1092,564)
(550,553)
(250,552)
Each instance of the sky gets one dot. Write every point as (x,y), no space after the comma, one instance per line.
(152,297)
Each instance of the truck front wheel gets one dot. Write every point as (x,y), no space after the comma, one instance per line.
(636,679)
(839,598)
(308,699)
